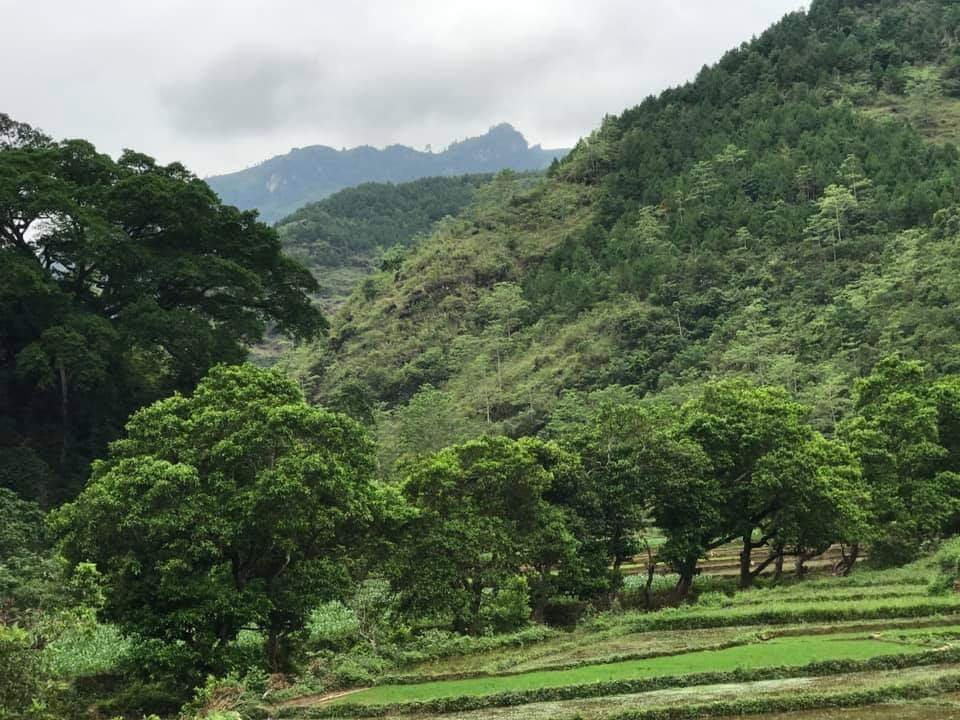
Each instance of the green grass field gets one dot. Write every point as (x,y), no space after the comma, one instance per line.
(599,708)
(781,651)
(767,646)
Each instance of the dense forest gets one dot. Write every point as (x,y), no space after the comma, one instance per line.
(725,322)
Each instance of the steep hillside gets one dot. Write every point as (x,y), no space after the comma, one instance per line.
(282,184)
(785,216)
(341,238)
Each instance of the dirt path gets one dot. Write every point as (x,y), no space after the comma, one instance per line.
(316,700)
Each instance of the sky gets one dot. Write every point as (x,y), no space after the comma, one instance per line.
(223,84)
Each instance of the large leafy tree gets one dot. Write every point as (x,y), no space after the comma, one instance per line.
(121,281)
(627,459)
(237,506)
(482,518)
(771,473)
(904,430)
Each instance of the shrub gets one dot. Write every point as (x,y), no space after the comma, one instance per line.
(22,675)
(508,608)
(228,698)
(564,611)
(947,561)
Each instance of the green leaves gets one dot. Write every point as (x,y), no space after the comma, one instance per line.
(121,282)
(237,505)
(483,518)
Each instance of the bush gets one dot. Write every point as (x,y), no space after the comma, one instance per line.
(714,600)
(564,611)
(508,608)
(947,562)
(22,675)
(228,698)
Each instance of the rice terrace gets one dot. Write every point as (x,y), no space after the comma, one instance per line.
(648,412)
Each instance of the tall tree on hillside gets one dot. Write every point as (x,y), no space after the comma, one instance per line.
(482,519)
(237,506)
(905,433)
(120,282)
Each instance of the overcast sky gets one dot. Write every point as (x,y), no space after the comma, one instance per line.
(223,84)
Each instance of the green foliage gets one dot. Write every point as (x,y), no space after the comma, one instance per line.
(120,282)
(947,561)
(482,518)
(370,225)
(239,505)
(628,460)
(32,580)
(508,608)
(901,430)
(22,676)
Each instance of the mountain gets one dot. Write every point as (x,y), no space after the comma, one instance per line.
(791,216)
(343,238)
(280,185)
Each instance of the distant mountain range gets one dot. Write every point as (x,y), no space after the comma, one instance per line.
(282,184)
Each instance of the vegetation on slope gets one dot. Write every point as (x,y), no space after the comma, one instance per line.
(344,237)
(761,221)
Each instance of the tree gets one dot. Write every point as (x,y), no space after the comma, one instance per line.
(237,506)
(747,432)
(121,282)
(904,432)
(925,87)
(482,518)
(625,458)
(827,500)
(829,223)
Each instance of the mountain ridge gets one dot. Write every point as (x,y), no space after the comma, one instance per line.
(696,235)
(284,183)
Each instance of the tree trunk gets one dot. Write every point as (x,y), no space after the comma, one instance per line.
(540,599)
(475,602)
(778,568)
(64,412)
(847,560)
(799,565)
(686,569)
(277,651)
(746,554)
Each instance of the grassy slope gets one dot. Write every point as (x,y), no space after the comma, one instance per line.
(591,708)
(781,651)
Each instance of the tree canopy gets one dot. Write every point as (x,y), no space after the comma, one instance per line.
(238,505)
(121,281)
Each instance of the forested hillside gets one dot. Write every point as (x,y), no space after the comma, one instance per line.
(691,396)
(347,236)
(791,216)
(282,184)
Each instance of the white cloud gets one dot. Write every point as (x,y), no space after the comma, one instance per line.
(221,84)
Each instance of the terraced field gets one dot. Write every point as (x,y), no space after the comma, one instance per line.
(835,647)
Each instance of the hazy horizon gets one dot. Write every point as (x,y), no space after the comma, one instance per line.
(225,85)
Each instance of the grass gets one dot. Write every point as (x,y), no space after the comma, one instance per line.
(86,650)
(598,708)
(781,651)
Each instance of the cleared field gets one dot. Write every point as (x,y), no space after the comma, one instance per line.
(786,651)
(612,644)
(599,708)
